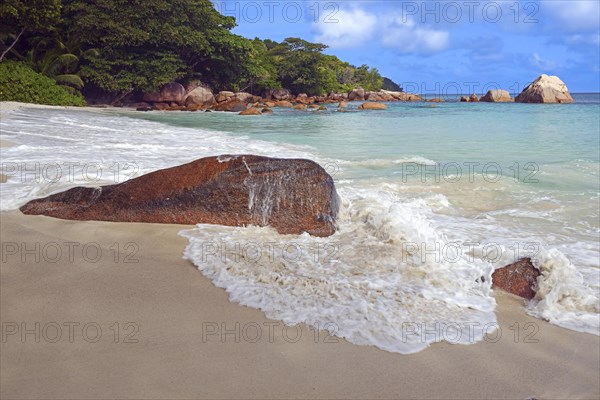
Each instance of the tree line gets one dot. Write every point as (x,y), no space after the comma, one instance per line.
(119,47)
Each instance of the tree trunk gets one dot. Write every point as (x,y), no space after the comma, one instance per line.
(12,45)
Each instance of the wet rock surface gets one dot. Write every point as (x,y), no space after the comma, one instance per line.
(291,195)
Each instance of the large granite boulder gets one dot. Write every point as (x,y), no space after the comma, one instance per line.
(171,92)
(356,94)
(545,89)
(291,195)
(497,96)
(518,278)
(201,96)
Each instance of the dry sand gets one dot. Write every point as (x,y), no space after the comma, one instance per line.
(169,305)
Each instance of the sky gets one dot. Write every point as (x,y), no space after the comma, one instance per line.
(442,46)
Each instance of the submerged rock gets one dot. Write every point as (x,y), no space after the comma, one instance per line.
(545,89)
(373,106)
(291,195)
(251,111)
(518,278)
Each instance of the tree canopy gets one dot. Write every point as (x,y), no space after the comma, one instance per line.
(123,46)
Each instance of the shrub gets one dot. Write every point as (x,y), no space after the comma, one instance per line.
(18,82)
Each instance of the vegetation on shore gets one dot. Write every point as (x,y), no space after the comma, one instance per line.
(127,46)
(18,82)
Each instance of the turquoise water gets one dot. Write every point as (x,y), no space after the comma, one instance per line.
(434,198)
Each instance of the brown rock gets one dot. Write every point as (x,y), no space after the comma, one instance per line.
(285,104)
(545,89)
(267,110)
(465,99)
(251,111)
(313,106)
(436,100)
(224,96)
(195,107)
(322,108)
(277,94)
(518,278)
(292,196)
(473,98)
(343,104)
(171,92)
(247,97)
(201,96)
(497,96)
(301,107)
(356,94)
(373,106)
(176,108)
(232,105)
(160,106)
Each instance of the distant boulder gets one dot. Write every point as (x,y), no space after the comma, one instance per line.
(277,94)
(497,96)
(223,96)
(473,98)
(251,111)
(356,94)
(373,106)
(545,89)
(171,92)
(247,97)
(232,105)
(436,100)
(281,103)
(465,99)
(201,96)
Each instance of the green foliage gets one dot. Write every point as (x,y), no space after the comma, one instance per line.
(146,43)
(20,16)
(302,67)
(59,59)
(124,46)
(18,82)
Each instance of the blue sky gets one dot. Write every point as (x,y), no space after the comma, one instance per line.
(442,46)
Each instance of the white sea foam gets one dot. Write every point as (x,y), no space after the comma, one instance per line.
(368,283)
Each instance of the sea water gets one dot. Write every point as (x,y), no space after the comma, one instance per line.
(434,198)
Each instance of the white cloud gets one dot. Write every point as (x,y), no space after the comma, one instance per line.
(357,27)
(352,29)
(404,35)
(576,15)
(543,64)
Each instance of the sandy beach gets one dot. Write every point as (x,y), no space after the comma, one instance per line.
(169,342)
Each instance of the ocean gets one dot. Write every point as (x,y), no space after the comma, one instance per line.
(434,198)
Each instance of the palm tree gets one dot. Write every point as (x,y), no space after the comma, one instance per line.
(59,60)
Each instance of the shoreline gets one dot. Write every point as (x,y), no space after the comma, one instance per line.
(176,348)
